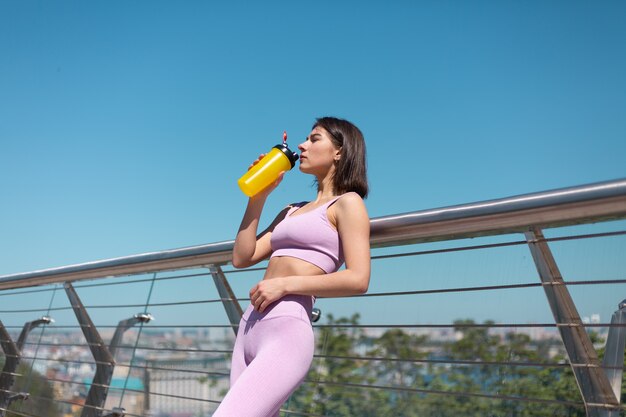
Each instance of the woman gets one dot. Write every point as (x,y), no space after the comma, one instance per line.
(307,243)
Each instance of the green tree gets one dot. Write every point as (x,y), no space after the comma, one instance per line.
(472,381)
(342,382)
(474,344)
(548,383)
(400,370)
(39,389)
(330,387)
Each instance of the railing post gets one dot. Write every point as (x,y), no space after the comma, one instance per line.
(104,357)
(13,355)
(230,302)
(614,352)
(12,360)
(124,325)
(105,362)
(596,391)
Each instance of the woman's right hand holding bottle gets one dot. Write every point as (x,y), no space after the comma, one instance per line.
(267,190)
(265,173)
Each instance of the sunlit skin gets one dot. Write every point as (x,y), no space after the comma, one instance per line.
(287,275)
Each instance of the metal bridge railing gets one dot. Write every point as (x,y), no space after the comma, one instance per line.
(168,319)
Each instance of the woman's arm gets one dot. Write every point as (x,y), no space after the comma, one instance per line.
(354,229)
(250,249)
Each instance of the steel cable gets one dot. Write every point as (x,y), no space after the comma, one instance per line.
(380,294)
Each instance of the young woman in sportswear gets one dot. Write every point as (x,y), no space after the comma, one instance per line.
(307,243)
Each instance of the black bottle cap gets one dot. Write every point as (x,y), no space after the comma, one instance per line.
(292,156)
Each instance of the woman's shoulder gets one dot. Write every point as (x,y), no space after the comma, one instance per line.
(351,197)
(349,201)
(349,206)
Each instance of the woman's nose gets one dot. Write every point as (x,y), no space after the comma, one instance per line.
(301,146)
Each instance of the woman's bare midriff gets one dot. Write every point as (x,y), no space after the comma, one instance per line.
(282,266)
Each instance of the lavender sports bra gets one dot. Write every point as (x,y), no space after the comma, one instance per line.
(310,237)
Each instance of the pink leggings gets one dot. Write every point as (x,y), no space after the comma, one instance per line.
(272,355)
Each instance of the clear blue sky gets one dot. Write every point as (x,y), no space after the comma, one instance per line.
(125,125)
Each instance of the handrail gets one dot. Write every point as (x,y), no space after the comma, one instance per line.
(555,208)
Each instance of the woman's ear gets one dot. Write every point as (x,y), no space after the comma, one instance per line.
(337,155)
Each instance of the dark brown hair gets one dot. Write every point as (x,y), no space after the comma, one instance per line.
(351,169)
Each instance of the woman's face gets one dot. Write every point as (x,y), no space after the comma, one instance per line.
(318,153)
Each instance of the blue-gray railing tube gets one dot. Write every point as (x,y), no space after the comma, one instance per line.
(575,205)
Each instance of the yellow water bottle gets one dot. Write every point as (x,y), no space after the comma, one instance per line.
(266,171)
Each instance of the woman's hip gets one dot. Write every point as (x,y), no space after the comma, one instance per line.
(296,306)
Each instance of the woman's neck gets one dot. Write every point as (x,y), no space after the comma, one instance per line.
(325,189)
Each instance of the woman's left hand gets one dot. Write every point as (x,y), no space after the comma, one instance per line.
(266,292)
